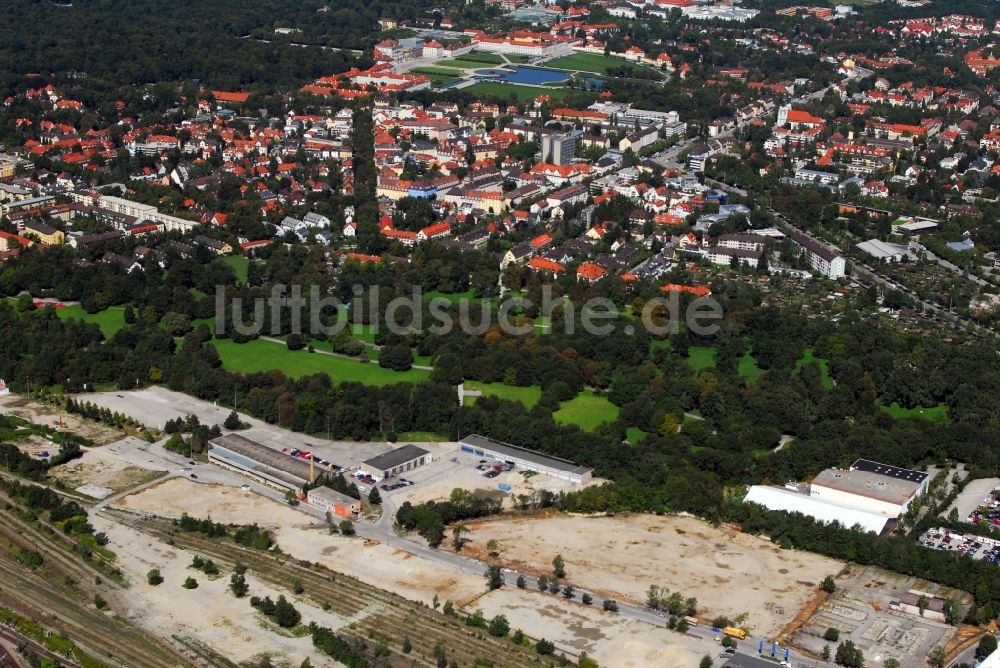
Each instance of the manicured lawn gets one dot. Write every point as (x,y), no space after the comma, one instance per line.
(937,413)
(445,71)
(824,366)
(586,62)
(701,357)
(586,410)
(528,396)
(262,356)
(240,265)
(465,64)
(110,320)
(748,368)
(440,80)
(523,93)
(483,57)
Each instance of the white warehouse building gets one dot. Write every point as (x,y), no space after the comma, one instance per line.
(868,494)
(528,460)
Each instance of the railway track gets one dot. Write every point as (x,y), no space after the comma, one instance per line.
(377,616)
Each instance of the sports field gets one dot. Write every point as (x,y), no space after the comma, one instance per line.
(262,356)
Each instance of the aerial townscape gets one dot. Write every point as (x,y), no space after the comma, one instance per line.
(500,333)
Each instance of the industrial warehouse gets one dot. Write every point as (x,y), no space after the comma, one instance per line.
(868,494)
(394,462)
(525,459)
(260,463)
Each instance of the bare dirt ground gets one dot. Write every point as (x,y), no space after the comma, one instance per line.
(38,413)
(612,640)
(436,481)
(103,469)
(624,555)
(380,566)
(210,613)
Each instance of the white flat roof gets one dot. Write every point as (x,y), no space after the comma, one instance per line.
(778,498)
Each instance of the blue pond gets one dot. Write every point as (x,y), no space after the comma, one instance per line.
(522,75)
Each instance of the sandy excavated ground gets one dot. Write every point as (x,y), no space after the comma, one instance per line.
(728,572)
(105,469)
(613,641)
(298,534)
(50,416)
(210,614)
(467,477)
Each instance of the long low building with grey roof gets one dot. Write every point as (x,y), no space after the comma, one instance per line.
(523,458)
(260,463)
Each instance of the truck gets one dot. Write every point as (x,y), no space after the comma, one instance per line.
(734,632)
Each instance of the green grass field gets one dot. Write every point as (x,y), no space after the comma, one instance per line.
(824,367)
(937,413)
(634,435)
(423,437)
(262,356)
(528,396)
(594,63)
(483,57)
(701,357)
(110,320)
(523,93)
(445,71)
(748,368)
(240,265)
(586,410)
(464,64)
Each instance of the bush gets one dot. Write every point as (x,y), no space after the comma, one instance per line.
(587,599)
(545,647)
(832,634)
(190,583)
(610,605)
(153,577)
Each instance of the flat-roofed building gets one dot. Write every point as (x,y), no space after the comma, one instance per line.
(395,462)
(334,502)
(260,463)
(870,486)
(791,500)
(526,459)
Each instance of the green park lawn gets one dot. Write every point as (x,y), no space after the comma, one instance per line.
(586,410)
(110,320)
(463,64)
(443,71)
(528,396)
(701,357)
(634,435)
(824,366)
(483,57)
(585,62)
(262,356)
(240,265)
(937,413)
(748,368)
(523,93)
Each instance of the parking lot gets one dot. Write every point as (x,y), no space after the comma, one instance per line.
(977,547)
